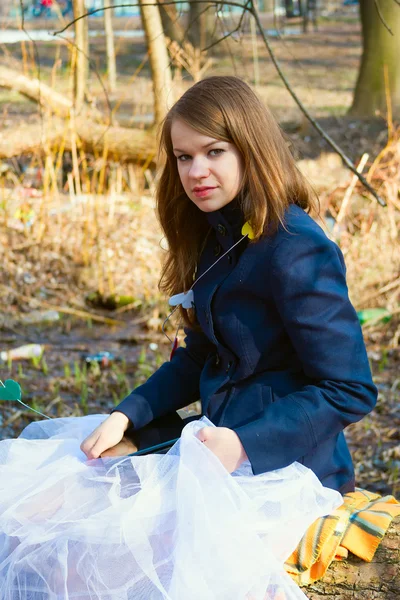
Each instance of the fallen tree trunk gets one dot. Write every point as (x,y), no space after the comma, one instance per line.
(122,143)
(35,90)
(355,579)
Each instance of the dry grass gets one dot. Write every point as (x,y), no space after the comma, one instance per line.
(74,244)
(369,234)
(89,225)
(55,248)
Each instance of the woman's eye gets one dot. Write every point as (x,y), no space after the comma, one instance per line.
(217,150)
(185,157)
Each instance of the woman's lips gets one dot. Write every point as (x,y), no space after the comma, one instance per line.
(201,193)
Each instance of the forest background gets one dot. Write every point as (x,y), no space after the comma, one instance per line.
(80,248)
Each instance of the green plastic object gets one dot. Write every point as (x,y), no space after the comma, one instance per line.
(374,314)
(10,390)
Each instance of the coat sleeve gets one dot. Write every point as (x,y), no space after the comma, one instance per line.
(307,280)
(174,385)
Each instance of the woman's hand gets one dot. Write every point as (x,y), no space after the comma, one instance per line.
(105,436)
(225,444)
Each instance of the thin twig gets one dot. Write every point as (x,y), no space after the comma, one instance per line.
(14,417)
(303,109)
(375,321)
(250,7)
(348,193)
(221,24)
(135,5)
(230,33)
(91,64)
(82,314)
(103,87)
(380,15)
(387,288)
(36,52)
(186,30)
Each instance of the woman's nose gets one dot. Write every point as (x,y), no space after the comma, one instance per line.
(199,168)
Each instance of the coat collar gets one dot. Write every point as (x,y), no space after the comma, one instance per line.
(227,223)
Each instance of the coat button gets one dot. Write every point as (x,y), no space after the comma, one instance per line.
(217,359)
(217,250)
(221,229)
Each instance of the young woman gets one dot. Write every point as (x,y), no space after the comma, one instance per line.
(274,351)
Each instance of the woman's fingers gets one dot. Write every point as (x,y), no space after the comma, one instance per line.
(123,448)
(105,436)
(94,446)
(205,434)
(89,443)
(225,444)
(97,448)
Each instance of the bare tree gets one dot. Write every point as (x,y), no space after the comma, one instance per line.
(171,23)
(110,48)
(379,75)
(158,57)
(5,8)
(81,53)
(197,25)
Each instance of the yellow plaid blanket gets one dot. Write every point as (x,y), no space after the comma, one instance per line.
(358,526)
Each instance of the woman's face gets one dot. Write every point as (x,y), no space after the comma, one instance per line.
(210,170)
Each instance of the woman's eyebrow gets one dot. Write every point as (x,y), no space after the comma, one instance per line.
(205,145)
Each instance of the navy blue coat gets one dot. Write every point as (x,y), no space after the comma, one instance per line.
(280,358)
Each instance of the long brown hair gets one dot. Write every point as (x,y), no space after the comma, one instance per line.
(226,109)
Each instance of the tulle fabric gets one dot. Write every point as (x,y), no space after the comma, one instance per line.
(159,527)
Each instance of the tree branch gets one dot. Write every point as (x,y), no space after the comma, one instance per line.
(35,50)
(250,7)
(135,5)
(230,33)
(303,109)
(221,24)
(380,15)
(36,91)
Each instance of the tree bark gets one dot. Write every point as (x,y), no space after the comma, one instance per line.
(197,25)
(110,48)
(81,61)
(381,51)
(355,579)
(159,59)
(170,22)
(123,144)
(35,90)
(5,8)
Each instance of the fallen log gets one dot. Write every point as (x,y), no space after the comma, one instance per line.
(355,579)
(35,90)
(122,143)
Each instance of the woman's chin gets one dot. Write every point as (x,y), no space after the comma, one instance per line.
(210,204)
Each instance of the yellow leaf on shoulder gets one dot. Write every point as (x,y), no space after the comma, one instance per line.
(247,230)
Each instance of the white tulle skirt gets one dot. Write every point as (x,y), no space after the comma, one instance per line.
(157,527)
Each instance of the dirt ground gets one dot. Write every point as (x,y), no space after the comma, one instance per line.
(322,68)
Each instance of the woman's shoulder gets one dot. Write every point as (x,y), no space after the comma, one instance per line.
(300,229)
(299,238)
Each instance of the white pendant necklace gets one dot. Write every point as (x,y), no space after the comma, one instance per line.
(186,299)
